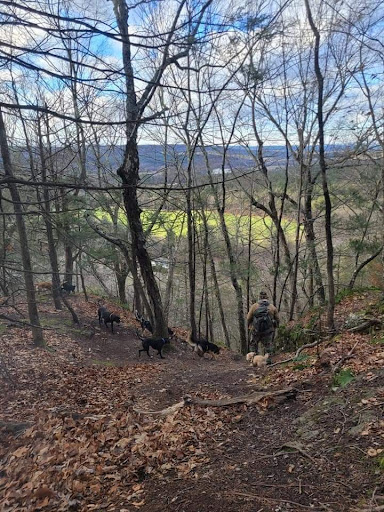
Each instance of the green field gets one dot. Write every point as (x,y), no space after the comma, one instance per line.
(175,222)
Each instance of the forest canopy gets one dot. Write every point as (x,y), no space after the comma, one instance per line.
(249,136)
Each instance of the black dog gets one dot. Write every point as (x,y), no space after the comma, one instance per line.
(202,346)
(107,317)
(208,347)
(67,287)
(146,324)
(155,343)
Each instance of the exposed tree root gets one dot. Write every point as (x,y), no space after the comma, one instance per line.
(250,399)
(298,447)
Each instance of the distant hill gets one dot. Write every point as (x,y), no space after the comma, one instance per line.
(154,160)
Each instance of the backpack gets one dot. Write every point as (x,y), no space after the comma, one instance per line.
(262,321)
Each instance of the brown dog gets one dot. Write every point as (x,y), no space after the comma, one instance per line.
(44,286)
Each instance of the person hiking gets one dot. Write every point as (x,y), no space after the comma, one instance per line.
(262,320)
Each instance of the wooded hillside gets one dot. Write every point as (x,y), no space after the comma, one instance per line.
(163,165)
(264,128)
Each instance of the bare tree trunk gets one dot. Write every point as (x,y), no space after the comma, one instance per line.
(129,174)
(377,127)
(121,272)
(311,244)
(69,260)
(231,257)
(218,298)
(68,305)
(3,251)
(37,332)
(169,285)
(82,277)
(323,169)
(216,286)
(191,258)
(46,208)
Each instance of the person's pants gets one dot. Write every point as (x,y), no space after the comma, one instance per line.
(262,343)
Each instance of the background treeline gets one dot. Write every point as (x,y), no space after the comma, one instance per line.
(263,167)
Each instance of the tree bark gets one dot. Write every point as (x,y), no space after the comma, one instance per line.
(230,254)
(121,272)
(46,208)
(216,286)
(129,174)
(33,313)
(323,169)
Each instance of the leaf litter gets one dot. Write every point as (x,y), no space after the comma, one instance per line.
(84,446)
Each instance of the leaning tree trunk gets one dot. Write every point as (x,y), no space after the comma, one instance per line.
(129,174)
(233,274)
(170,278)
(361,266)
(37,332)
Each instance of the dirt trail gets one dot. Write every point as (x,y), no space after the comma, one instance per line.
(303,454)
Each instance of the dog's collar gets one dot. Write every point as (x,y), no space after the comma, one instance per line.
(110,316)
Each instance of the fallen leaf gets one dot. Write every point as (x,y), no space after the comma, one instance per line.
(138,503)
(43,492)
(20,451)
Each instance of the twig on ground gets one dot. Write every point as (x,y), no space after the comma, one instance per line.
(298,352)
(23,323)
(299,448)
(265,498)
(344,358)
(367,324)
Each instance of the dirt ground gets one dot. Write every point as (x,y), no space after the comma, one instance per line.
(72,437)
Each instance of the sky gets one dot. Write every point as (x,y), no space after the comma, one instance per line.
(284,97)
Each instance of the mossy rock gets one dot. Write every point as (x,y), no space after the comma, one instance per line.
(314,414)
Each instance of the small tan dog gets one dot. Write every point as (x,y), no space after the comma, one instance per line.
(256,360)
(260,361)
(250,356)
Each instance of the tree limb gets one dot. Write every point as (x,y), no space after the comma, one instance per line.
(250,399)
(299,350)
